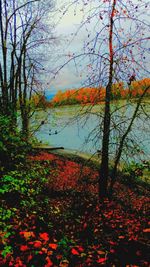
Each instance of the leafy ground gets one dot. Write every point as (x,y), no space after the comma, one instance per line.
(51,217)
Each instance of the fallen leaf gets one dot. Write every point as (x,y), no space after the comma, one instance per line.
(24,248)
(37,244)
(53,246)
(101,260)
(74,251)
(147,230)
(100,252)
(44,236)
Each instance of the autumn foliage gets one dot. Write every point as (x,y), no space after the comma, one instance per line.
(97,95)
(69,227)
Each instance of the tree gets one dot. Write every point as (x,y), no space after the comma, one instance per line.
(23,30)
(116,49)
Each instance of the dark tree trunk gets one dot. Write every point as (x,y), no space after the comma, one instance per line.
(121,145)
(25,125)
(104,169)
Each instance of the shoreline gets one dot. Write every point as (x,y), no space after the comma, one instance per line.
(83,158)
(70,154)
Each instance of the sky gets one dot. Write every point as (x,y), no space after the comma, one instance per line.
(70,41)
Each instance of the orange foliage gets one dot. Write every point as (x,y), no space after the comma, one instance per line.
(137,87)
(93,95)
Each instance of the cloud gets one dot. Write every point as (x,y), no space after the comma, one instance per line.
(66,78)
(73,35)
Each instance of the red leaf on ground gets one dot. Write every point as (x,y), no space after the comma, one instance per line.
(24,248)
(80,249)
(30,257)
(27,234)
(49,262)
(53,246)
(44,236)
(147,230)
(85,225)
(37,244)
(74,251)
(101,260)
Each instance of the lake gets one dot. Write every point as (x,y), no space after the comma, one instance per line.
(79,128)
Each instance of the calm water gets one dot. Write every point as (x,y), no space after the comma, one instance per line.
(77,128)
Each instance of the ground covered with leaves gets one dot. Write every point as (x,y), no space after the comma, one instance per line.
(51,216)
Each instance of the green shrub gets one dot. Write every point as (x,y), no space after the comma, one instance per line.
(134,171)
(12,147)
(20,194)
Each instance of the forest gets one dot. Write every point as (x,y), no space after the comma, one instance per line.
(60,208)
(97,95)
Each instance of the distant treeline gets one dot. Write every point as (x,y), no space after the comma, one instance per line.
(92,95)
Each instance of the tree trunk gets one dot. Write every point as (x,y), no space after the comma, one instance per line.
(25,126)
(104,168)
(121,145)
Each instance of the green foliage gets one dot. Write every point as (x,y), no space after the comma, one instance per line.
(5,215)
(64,245)
(12,146)
(135,171)
(20,192)
(10,184)
(6,250)
(26,184)
(38,101)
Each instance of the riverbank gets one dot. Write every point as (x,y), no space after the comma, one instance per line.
(69,153)
(138,172)
(52,216)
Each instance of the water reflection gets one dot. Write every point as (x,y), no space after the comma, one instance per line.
(79,129)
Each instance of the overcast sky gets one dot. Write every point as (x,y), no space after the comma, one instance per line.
(71,40)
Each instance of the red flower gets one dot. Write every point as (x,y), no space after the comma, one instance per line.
(44,236)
